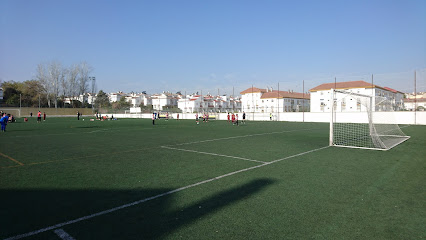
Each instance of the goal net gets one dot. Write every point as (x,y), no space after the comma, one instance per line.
(364,121)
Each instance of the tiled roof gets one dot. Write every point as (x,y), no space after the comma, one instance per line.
(276,94)
(253,90)
(285,94)
(392,90)
(343,85)
(416,100)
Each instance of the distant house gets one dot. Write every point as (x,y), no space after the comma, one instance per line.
(321,96)
(160,101)
(115,97)
(209,103)
(191,103)
(271,101)
(415,103)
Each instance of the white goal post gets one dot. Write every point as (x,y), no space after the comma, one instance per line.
(12,111)
(363,121)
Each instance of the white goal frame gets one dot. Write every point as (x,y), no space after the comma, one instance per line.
(372,132)
(7,110)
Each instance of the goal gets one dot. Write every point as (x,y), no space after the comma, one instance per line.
(16,112)
(363,121)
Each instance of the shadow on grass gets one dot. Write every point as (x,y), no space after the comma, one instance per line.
(89,127)
(23,211)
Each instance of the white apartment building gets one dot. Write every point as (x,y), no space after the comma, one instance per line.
(91,98)
(272,101)
(191,103)
(115,97)
(160,101)
(209,103)
(134,99)
(321,96)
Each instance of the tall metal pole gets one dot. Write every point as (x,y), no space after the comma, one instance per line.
(415,98)
(303,101)
(19,105)
(39,101)
(186,99)
(233,99)
(278,101)
(252,100)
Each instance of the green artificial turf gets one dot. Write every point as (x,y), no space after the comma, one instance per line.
(63,169)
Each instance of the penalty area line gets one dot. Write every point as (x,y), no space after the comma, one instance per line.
(10,158)
(243,136)
(62,234)
(214,154)
(60,225)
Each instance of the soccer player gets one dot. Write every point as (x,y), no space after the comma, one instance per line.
(44,116)
(229,117)
(3,122)
(196,118)
(233,118)
(244,118)
(38,117)
(236,119)
(153,118)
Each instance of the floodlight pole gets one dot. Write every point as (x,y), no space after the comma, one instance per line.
(19,105)
(415,99)
(252,100)
(278,102)
(303,101)
(331,118)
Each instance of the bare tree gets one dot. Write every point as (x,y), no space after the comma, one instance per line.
(84,70)
(73,81)
(42,77)
(64,82)
(55,72)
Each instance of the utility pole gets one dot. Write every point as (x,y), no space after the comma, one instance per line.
(278,102)
(233,100)
(252,100)
(415,98)
(303,101)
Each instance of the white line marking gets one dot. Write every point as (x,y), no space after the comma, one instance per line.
(59,225)
(250,135)
(300,154)
(214,154)
(62,234)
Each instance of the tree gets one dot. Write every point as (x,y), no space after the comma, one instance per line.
(55,72)
(11,92)
(30,93)
(84,71)
(42,77)
(122,104)
(102,100)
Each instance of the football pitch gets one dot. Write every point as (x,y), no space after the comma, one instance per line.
(128,179)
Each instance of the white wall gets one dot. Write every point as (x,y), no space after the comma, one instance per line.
(400,117)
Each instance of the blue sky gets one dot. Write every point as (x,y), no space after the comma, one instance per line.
(214,46)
